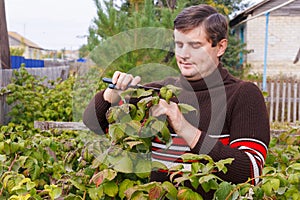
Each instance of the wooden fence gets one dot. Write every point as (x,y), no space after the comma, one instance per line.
(52,73)
(283,101)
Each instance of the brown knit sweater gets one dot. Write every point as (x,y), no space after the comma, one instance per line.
(231,114)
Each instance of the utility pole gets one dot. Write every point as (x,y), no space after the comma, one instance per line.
(4,46)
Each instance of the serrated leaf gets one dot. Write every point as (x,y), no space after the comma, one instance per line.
(35,172)
(293,168)
(117,131)
(96,193)
(132,144)
(275,183)
(2,158)
(190,156)
(171,190)
(155,165)
(175,90)
(207,178)
(176,168)
(78,185)
(132,128)
(122,163)
(185,108)
(223,191)
(221,164)
(110,188)
(267,188)
(124,185)
(269,170)
(142,168)
(186,193)
(155,192)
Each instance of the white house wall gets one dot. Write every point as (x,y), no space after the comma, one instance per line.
(283,44)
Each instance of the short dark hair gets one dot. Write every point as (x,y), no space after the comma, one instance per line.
(214,23)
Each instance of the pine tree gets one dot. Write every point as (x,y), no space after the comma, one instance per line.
(132,14)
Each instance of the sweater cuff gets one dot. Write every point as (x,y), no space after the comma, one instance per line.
(205,144)
(101,104)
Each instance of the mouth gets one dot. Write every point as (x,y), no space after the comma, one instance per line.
(185,64)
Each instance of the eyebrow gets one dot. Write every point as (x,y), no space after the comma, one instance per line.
(192,43)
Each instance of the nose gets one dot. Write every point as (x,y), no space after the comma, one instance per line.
(183,52)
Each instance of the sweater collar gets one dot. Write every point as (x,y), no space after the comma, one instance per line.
(216,78)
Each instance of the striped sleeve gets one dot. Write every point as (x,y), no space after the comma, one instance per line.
(256,150)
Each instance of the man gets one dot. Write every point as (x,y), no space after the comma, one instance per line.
(232,121)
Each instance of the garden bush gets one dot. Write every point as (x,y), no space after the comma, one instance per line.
(64,164)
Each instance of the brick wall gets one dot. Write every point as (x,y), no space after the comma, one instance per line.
(284,42)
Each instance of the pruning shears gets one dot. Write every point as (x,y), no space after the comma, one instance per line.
(113,86)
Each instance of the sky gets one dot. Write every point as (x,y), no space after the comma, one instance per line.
(52,24)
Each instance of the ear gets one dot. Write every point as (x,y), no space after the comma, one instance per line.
(222,46)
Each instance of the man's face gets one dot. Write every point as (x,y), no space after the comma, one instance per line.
(195,56)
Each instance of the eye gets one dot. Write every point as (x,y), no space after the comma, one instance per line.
(178,44)
(195,45)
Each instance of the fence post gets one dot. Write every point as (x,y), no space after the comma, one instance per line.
(283,101)
(295,102)
(277,100)
(271,101)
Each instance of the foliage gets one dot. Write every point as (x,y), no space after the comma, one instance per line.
(112,20)
(16,51)
(32,99)
(66,164)
(234,50)
(58,164)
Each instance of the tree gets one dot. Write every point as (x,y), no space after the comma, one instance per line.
(4,45)
(132,14)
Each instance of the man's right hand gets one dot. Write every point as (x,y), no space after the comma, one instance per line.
(122,81)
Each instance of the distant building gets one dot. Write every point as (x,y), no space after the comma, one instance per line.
(32,50)
(283,38)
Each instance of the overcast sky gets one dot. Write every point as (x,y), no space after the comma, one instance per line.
(52,24)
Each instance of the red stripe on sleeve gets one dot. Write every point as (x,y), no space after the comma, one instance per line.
(252,145)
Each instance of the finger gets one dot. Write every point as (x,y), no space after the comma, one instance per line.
(136,80)
(126,81)
(116,76)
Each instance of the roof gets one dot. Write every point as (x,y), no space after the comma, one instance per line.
(24,40)
(243,16)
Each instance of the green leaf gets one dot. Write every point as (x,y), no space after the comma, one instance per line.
(110,188)
(142,168)
(223,191)
(221,164)
(206,178)
(155,165)
(269,170)
(132,128)
(186,193)
(121,163)
(171,190)
(35,172)
(2,158)
(294,178)
(210,185)
(96,193)
(117,131)
(267,188)
(275,183)
(185,108)
(293,168)
(190,156)
(175,90)
(78,185)
(155,192)
(54,191)
(124,185)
